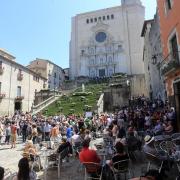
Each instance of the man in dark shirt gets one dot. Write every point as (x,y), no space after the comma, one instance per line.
(64,145)
(24,131)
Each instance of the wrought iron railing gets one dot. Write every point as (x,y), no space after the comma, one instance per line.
(170,63)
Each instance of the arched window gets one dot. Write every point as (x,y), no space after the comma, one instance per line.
(101,60)
(110,59)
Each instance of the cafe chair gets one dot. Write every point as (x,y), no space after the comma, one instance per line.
(152,159)
(168,147)
(121,167)
(93,171)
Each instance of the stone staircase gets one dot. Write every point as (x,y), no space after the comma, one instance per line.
(41,106)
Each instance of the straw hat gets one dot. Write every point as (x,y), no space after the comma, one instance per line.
(148,139)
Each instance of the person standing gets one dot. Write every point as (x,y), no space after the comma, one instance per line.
(13,135)
(24,131)
(47,129)
(7,133)
(34,133)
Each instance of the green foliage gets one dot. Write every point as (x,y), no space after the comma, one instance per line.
(76,104)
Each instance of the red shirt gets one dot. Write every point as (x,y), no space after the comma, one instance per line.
(88,155)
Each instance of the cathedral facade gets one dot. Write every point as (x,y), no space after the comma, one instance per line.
(108,41)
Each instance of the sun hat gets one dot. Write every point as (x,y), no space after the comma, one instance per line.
(148,139)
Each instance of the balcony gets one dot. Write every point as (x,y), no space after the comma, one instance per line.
(20,77)
(2,95)
(1,70)
(170,63)
(19,98)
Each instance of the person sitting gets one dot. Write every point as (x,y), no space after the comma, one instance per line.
(25,172)
(1,173)
(133,143)
(158,128)
(119,156)
(88,155)
(149,145)
(168,128)
(65,144)
(30,148)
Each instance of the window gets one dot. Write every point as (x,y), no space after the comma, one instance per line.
(174,47)
(99,18)
(119,47)
(168,4)
(54,75)
(107,17)
(95,19)
(101,37)
(104,18)
(87,21)
(82,52)
(91,20)
(19,91)
(112,16)
(110,59)
(101,60)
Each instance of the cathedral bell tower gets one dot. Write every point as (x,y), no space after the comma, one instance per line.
(130,2)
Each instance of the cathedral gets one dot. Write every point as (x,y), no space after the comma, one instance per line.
(108,41)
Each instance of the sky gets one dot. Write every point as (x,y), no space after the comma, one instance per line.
(31,29)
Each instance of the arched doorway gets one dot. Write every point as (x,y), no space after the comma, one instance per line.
(18,105)
(177,101)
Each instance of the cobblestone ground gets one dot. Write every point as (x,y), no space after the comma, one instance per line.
(71,170)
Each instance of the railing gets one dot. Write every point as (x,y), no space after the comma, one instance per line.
(20,77)
(170,63)
(2,95)
(44,104)
(19,97)
(1,70)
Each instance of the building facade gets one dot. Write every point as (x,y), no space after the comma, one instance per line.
(108,41)
(18,85)
(152,59)
(170,36)
(50,71)
(169,16)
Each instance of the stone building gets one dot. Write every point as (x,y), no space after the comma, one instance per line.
(152,59)
(50,71)
(108,41)
(18,85)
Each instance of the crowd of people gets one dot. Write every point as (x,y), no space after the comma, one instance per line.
(129,128)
